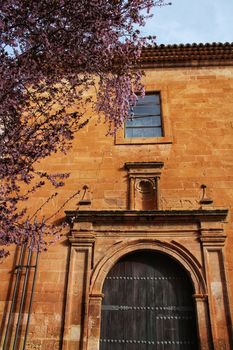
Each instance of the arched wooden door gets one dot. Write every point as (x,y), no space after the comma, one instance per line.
(148,305)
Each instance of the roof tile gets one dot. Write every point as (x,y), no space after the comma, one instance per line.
(185,55)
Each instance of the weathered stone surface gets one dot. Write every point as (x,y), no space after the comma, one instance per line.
(198,107)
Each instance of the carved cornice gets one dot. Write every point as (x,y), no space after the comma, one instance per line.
(143,165)
(213,239)
(77,238)
(117,216)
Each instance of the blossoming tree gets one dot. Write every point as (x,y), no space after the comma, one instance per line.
(53,53)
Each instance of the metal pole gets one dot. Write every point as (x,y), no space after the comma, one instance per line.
(19,269)
(22,298)
(31,299)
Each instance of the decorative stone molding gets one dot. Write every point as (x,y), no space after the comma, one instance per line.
(213,252)
(80,265)
(206,220)
(194,238)
(143,185)
(186,259)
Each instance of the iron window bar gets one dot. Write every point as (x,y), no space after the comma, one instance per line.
(136,116)
(144,127)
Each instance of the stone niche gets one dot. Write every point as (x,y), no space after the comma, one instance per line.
(143,180)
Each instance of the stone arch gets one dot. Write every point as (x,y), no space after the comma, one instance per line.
(172,249)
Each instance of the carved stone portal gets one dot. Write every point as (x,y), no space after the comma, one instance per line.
(193,238)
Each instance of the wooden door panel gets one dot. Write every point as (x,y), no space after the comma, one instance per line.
(148,305)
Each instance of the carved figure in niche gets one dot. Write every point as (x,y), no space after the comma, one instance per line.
(145,194)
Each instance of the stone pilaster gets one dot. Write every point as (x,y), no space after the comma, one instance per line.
(81,260)
(95,303)
(213,240)
(203,322)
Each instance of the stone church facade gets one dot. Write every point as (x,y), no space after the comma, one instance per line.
(149,248)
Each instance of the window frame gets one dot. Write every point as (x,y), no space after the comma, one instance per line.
(159,127)
(120,138)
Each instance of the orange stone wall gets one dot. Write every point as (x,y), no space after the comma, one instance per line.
(198,103)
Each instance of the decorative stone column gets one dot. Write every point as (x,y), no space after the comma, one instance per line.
(81,260)
(213,240)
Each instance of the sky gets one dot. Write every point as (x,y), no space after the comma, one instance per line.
(189,21)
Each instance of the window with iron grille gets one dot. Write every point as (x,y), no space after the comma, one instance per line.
(146,120)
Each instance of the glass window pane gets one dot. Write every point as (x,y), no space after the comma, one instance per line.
(143,132)
(151,99)
(154,132)
(145,110)
(128,132)
(145,121)
(140,132)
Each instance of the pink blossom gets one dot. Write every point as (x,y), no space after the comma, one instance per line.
(50,53)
